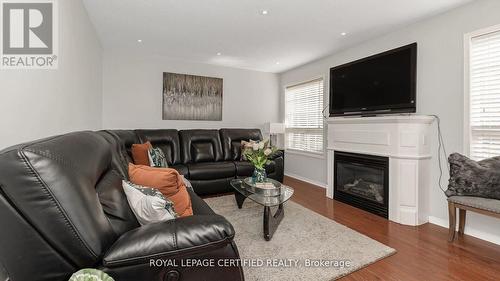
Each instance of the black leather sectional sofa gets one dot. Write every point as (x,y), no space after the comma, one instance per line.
(62,207)
(208,158)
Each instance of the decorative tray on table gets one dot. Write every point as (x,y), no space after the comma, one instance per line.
(269,187)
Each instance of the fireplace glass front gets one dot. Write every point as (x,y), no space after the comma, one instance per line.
(362,181)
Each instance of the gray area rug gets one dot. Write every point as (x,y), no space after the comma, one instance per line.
(303,245)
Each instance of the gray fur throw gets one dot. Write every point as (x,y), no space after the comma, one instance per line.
(471,178)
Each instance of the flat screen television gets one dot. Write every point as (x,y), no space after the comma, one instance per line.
(381,84)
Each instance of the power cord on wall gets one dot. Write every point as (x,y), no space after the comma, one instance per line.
(441,147)
(323,112)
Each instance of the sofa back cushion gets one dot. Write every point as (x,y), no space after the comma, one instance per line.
(24,253)
(202,152)
(166,140)
(231,141)
(115,204)
(119,155)
(201,146)
(126,138)
(52,183)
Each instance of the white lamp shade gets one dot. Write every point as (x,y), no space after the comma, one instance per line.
(275,128)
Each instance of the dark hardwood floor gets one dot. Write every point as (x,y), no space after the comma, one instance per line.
(423,252)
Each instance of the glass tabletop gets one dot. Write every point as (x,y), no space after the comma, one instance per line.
(267,201)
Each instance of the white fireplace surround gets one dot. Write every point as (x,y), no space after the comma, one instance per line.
(404,139)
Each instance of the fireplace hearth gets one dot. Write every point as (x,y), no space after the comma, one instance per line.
(362,181)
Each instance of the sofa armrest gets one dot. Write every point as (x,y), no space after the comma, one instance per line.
(174,238)
(278,154)
(279,165)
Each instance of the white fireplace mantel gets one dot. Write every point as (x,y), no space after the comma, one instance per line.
(404,139)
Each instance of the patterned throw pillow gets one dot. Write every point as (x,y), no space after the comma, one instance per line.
(156,158)
(471,178)
(148,204)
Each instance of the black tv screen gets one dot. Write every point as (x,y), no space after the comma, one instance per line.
(383,83)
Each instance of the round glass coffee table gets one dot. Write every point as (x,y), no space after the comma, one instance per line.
(271,221)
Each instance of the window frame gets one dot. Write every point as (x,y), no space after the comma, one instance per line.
(467,138)
(319,155)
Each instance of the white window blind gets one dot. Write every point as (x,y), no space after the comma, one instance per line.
(304,118)
(484,90)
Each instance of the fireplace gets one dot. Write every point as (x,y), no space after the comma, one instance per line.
(362,181)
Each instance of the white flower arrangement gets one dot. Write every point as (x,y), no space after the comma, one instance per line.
(259,153)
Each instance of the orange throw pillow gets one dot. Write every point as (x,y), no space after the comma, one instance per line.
(168,181)
(140,153)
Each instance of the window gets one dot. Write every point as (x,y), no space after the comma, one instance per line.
(304,118)
(484,94)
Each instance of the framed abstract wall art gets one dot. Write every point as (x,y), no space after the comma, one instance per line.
(191,97)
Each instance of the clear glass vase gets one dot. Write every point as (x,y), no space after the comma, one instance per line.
(259,175)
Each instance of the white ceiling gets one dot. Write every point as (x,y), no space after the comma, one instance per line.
(293,33)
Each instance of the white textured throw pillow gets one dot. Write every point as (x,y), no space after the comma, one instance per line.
(187,183)
(148,204)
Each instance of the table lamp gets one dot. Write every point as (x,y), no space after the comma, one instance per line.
(275,129)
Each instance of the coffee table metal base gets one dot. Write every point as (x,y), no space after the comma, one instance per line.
(271,221)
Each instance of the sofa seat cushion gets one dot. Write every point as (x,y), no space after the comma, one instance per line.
(210,187)
(182,169)
(244,168)
(211,170)
(200,207)
(492,205)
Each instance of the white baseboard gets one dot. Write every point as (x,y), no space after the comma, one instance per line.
(469,231)
(320,184)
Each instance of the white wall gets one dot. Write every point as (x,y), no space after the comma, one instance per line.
(40,103)
(132,93)
(440,91)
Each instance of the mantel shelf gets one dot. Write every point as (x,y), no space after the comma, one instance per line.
(405,119)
